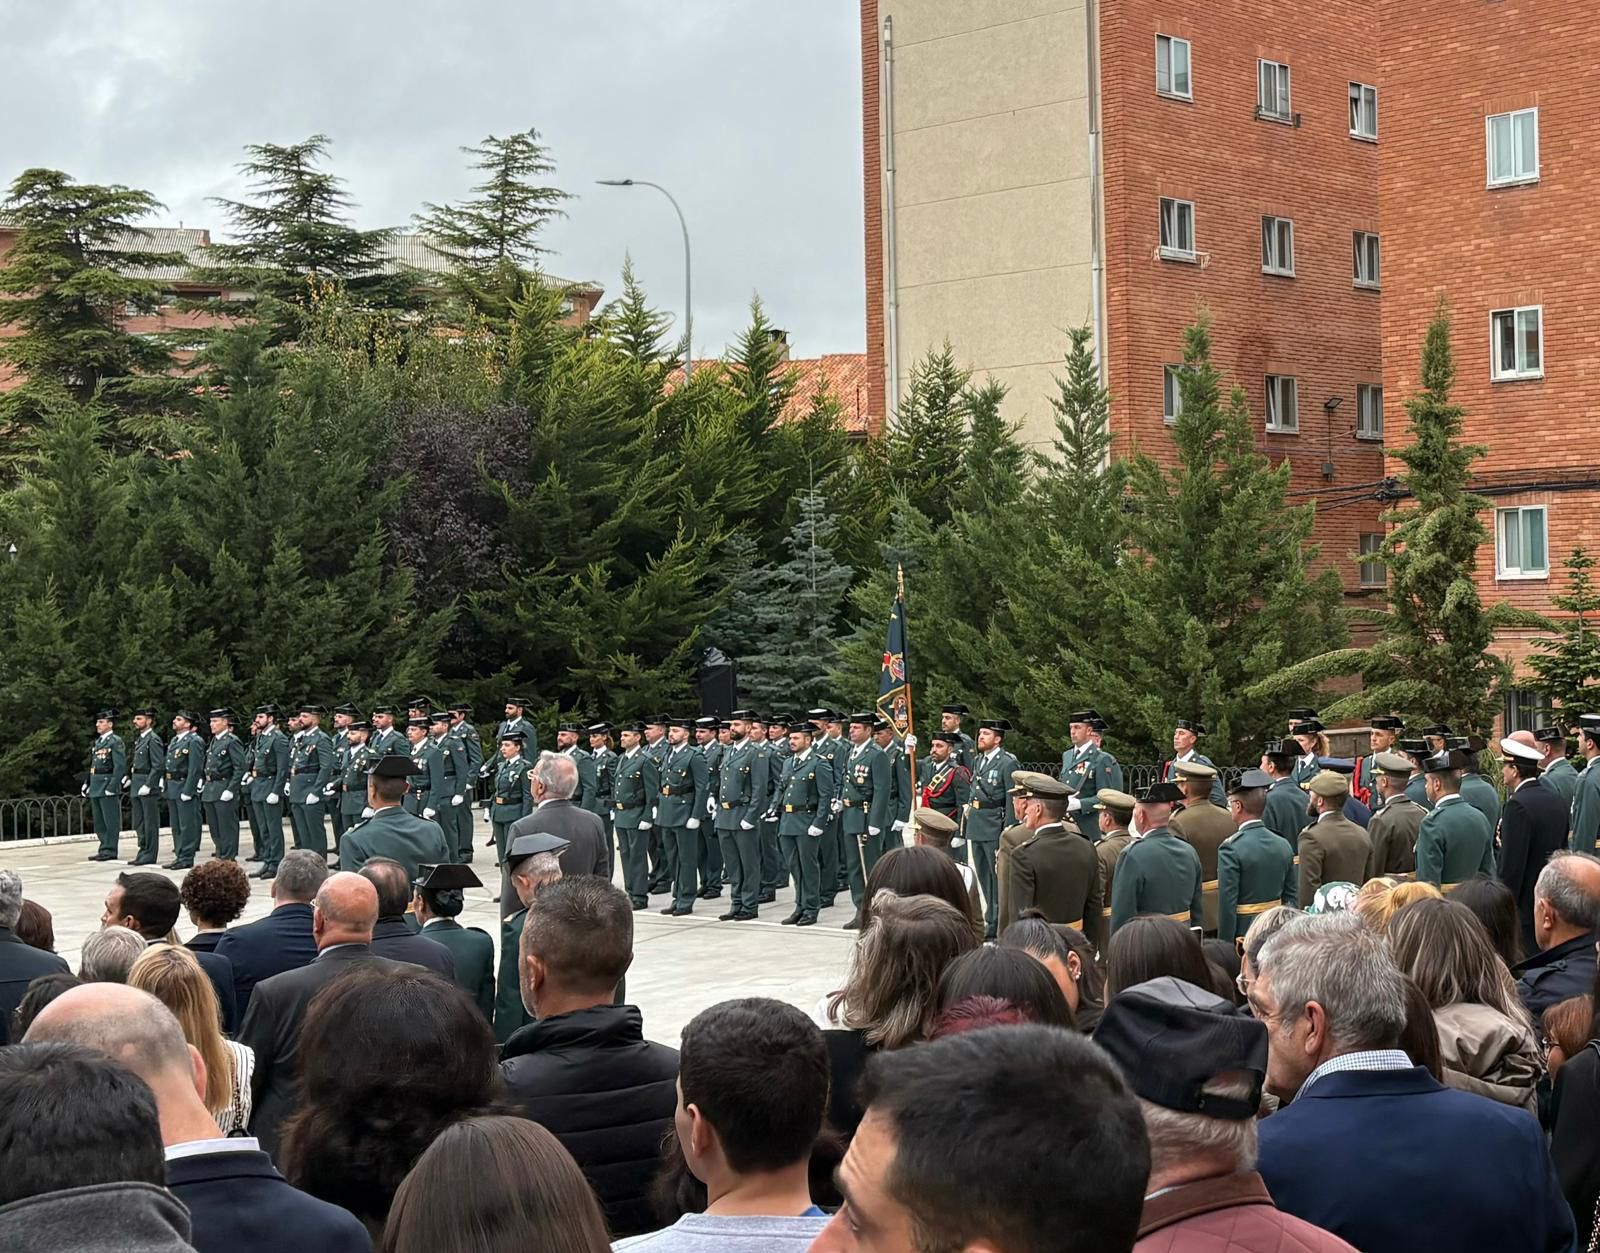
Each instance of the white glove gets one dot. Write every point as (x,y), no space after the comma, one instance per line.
(958,842)
(184,796)
(813,831)
(226,795)
(746,826)
(711,806)
(836,806)
(273,798)
(874,831)
(910,742)
(429,814)
(456,800)
(329,790)
(84,790)
(693,824)
(311,798)
(144,790)
(368,811)
(644,826)
(1074,805)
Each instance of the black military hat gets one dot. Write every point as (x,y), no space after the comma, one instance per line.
(269,708)
(1449,759)
(359,724)
(880,724)
(948,737)
(657,720)
(146,711)
(1086,716)
(1475,743)
(309,708)
(1099,726)
(821,714)
(1310,726)
(188,715)
(1159,794)
(1463,742)
(575,727)
(393,766)
(1416,748)
(520,737)
(599,728)
(1281,748)
(707,723)
(439,715)
(534,843)
(636,726)
(225,714)
(392,710)
(1250,779)
(685,723)
(1301,714)
(461,707)
(1339,765)
(802,726)
(1172,1039)
(1436,729)
(107,714)
(521,702)
(419,721)
(347,709)
(960,711)
(999,725)
(744,715)
(761,719)
(1551,735)
(1190,724)
(863,719)
(1386,722)
(1589,723)
(446,876)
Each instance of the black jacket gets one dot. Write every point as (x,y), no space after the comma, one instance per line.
(1533,824)
(1555,974)
(1575,1136)
(391,938)
(20,965)
(239,1204)
(220,971)
(593,1081)
(269,946)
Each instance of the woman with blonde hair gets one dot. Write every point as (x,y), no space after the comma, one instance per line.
(173,976)
(1382,898)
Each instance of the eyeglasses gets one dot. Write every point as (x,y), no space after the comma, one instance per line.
(1243,981)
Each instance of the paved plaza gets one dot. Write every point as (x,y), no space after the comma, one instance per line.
(680,965)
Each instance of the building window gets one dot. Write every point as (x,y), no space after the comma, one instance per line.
(1369,411)
(1522,709)
(1372,572)
(1516,343)
(1282,413)
(1366,250)
(1521,543)
(1513,147)
(1177,229)
(1171,393)
(1272,90)
(1172,67)
(1277,246)
(1363,111)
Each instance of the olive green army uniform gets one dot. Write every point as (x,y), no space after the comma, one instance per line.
(1204,827)
(1054,869)
(1332,850)
(1107,852)
(1394,827)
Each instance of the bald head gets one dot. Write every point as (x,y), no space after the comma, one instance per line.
(1525,737)
(129,1026)
(346,910)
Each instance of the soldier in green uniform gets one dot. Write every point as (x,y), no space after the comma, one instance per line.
(1585,822)
(1157,873)
(739,801)
(1203,827)
(310,771)
(1559,774)
(1052,868)
(149,758)
(1397,821)
(464,733)
(510,802)
(1381,738)
(1309,735)
(386,738)
(803,801)
(343,716)
(831,861)
(569,739)
(266,760)
(427,779)
(1088,768)
(989,812)
(440,898)
(774,874)
(866,797)
(681,796)
(963,749)
(1476,790)
(1332,849)
(1116,812)
(1416,785)
(604,759)
(944,784)
(663,870)
(1285,814)
(525,855)
(224,780)
(635,782)
(350,786)
(108,766)
(457,783)
(1436,736)
(185,764)
(707,736)
(516,720)
(1255,866)
(390,831)
(1454,842)
(1186,732)
(902,794)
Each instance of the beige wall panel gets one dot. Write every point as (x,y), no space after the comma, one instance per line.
(1021,149)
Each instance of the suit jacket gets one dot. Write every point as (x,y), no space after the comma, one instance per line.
(272,1028)
(1393,828)
(269,946)
(393,939)
(1533,824)
(204,941)
(20,965)
(586,853)
(239,1204)
(1393,1161)
(1055,870)
(220,971)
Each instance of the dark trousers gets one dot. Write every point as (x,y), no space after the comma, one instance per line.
(310,831)
(266,829)
(983,855)
(509,904)
(223,819)
(341,824)
(803,853)
(633,847)
(147,825)
(683,846)
(663,870)
(741,854)
(853,871)
(711,861)
(878,845)
(611,846)
(463,830)
(774,874)
(107,814)
(185,829)
(829,863)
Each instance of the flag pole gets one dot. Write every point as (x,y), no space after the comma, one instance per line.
(911,753)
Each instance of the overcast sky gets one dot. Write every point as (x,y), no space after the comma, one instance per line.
(749,111)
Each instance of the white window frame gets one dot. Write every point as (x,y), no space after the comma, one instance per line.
(1517,177)
(1272,233)
(1505,569)
(1358,247)
(1171,252)
(1360,93)
(1171,89)
(1273,113)
(1365,549)
(1521,369)
(1275,393)
(1171,390)
(1369,398)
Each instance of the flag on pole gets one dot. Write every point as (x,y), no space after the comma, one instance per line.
(894,683)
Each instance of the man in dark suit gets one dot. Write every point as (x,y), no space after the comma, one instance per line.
(238,1203)
(20,964)
(393,937)
(282,940)
(149,903)
(441,896)
(554,781)
(1533,824)
(343,915)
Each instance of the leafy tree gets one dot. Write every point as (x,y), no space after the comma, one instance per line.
(1569,664)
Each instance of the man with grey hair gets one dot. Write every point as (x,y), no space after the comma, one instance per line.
(282,940)
(533,860)
(1566,923)
(20,964)
(553,782)
(1373,1148)
(108,954)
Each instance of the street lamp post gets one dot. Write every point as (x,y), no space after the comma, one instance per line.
(688,308)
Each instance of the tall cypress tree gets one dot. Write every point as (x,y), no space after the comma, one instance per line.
(927,441)
(1568,663)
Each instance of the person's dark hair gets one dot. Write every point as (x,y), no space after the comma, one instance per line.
(1149,946)
(1568,1023)
(392,882)
(583,932)
(1495,905)
(1419,1038)
(1035,1095)
(1223,958)
(758,1071)
(215,892)
(389,791)
(35,927)
(1010,974)
(40,993)
(71,1118)
(920,870)
(495,1184)
(1033,933)
(443,902)
(975,1014)
(675,1191)
(368,1113)
(152,900)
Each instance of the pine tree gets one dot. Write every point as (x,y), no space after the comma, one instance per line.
(757,374)
(1569,664)
(927,440)
(1080,486)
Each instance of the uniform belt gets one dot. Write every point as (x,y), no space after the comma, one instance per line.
(979,805)
(500,800)
(1210,885)
(850,804)
(727,804)
(1076,924)
(676,791)
(99,771)
(170,775)
(1106,912)
(1183,916)
(1255,907)
(1448,887)
(305,770)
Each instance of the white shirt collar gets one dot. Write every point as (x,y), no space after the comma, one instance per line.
(802,756)
(1447,798)
(202,1148)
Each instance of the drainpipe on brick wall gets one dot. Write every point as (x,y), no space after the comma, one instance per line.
(891,280)
(1096,259)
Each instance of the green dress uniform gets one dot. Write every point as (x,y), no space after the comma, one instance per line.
(1204,827)
(904,797)
(389,741)
(1417,790)
(662,868)
(265,786)
(1286,814)
(466,735)
(989,812)
(351,785)
(681,813)
(186,761)
(866,796)
(1454,843)
(310,769)
(1089,769)
(1585,822)
(1333,850)
(331,799)
(1157,874)
(833,865)
(149,755)
(805,795)
(740,800)
(604,761)
(774,873)
(108,765)
(1394,827)
(947,787)
(520,726)
(1055,870)
(588,781)
(1218,797)
(392,832)
(1478,792)
(474,953)
(510,1014)
(1562,778)
(454,795)
(712,871)
(1255,871)
(1107,852)
(634,787)
(510,802)
(219,794)
(427,789)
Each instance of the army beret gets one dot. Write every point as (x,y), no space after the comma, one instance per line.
(1159,794)
(1189,724)
(926,819)
(1118,802)
(1519,750)
(107,714)
(1551,735)
(1329,783)
(1386,722)
(149,711)
(1445,761)
(439,715)
(534,843)
(959,711)
(1249,780)
(1392,763)
(998,725)
(1195,769)
(393,766)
